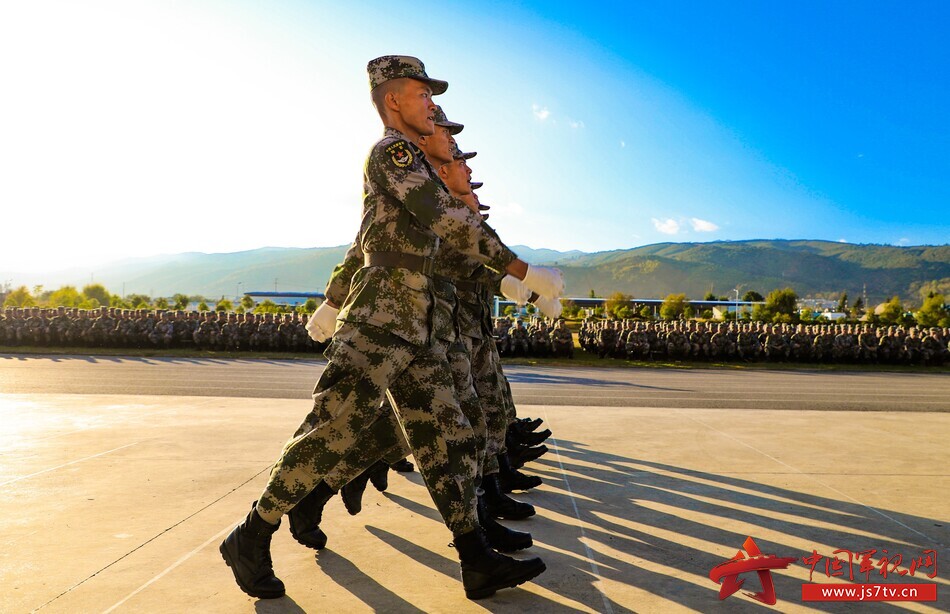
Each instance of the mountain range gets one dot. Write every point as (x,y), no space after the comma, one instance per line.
(811,268)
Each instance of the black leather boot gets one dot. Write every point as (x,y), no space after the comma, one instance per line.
(501,505)
(527,424)
(352,493)
(402,466)
(246,550)
(500,537)
(519,455)
(379,476)
(484,571)
(511,479)
(531,439)
(305,517)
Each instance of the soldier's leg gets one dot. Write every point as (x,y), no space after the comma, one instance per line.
(364,360)
(485,369)
(440,436)
(460,361)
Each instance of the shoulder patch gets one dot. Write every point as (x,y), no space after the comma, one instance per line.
(400,153)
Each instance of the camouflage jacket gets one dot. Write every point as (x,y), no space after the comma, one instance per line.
(407,210)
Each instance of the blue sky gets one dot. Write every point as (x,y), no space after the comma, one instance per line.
(138,128)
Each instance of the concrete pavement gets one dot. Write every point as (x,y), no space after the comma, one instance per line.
(118,503)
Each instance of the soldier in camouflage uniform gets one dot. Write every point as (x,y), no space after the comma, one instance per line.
(562,341)
(519,342)
(206,335)
(384,342)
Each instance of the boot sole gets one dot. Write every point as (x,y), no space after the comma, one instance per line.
(251,592)
(510,548)
(352,507)
(310,545)
(488,591)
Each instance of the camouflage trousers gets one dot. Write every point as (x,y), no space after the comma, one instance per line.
(494,394)
(385,440)
(364,363)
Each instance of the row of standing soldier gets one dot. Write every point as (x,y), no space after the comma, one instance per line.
(143,328)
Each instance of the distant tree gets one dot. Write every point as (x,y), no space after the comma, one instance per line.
(66,296)
(247,302)
(20,297)
(807,315)
(202,306)
(592,295)
(98,292)
(892,311)
(90,303)
(617,301)
(689,313)
(139,301)
(673,307)
(706,314)
(117,301)
(624,313)
(569,309)
(752,297)
(843,303)
(710,297)
(858,307)
(784,302)
(531,309)
(310,306)
(161,303)
(933,312)
(509,310)
(181,301)
(223,304)
(266,306)
(646,313)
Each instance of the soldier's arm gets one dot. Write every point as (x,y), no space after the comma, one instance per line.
(339,285)
(433,207)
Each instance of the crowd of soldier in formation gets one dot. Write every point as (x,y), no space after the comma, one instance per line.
(539,339)
(145,328)
(744,341)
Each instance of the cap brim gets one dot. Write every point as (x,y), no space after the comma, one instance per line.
(438,87)
(476,184)
(484,207)
(465,155)
(452,126)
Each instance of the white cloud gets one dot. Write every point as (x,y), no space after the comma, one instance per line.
(842,240)
(668,226)
(903,241)
(575,125)
(540,112)
(702,225)
(623,144)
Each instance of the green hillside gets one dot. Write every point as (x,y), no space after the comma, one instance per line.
(811,268)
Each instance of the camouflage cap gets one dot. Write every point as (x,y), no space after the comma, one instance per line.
(442,120)
(388,67)
(458,154)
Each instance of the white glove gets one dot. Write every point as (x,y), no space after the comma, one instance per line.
(322,323)
(550,307)
(514,290)
(546,281)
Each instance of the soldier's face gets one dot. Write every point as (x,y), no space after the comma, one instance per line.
(455,177)
(438,146)
(416,107)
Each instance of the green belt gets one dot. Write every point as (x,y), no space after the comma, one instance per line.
(399,260)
